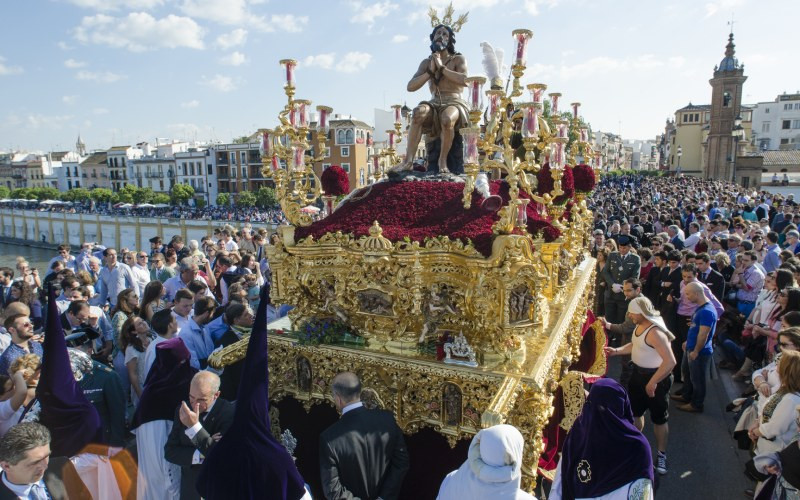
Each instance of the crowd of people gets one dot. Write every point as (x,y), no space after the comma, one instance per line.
(688,267)
(111,346)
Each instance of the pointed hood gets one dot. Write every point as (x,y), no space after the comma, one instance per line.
(167,383)
(248,462)
(73,421)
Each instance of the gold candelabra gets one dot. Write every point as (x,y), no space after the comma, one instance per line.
(283,152)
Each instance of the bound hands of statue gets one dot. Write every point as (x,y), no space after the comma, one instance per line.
(436,62)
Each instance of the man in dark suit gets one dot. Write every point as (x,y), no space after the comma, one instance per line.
(196,428)
(363,455)
(621,266)
(712,278)
(239,317)
(28,470)
(675,237)
(6,278)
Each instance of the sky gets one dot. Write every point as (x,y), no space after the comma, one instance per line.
(125,71)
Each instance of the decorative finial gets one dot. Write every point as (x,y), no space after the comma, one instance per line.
(447,19)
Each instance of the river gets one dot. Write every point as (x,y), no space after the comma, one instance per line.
(36,257)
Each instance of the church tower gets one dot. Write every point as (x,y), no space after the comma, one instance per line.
(726,103)
(80,147)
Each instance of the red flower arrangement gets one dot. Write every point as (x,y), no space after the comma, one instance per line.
(335,181)
(417,210)
(545,183)
(585,179)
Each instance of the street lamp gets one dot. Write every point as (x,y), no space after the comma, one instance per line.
(738,134)
(680,153)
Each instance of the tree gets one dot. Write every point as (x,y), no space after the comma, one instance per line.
(76,194)
(246,199)
(200,203)
(21,194)
(4,192)
(223,199)
(127,192)
(265,197)
(241,140)
(143,195)
(101,195)
(182,193)
(46,193)
(161,199)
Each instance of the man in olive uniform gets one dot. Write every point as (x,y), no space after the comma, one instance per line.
(100,384)
(620,266)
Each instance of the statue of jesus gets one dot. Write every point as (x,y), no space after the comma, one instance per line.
(446,111)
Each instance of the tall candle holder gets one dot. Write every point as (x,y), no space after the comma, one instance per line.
(521,37)
(475,97)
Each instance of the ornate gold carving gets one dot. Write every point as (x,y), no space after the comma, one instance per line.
(574,396)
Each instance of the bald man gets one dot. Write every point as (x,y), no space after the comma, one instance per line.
(698,350)
(363,455)
(196,427)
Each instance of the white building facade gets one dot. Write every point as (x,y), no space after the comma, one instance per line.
(196,168)
(776,124)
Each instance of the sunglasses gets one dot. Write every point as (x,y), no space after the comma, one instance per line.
(142,256)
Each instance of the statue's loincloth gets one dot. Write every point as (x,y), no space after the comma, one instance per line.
(437,105)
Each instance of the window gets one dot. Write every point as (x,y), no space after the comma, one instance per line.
(786,124)
(327,152)
(787,107)
(797,105)
(345,151)
(697,117)
(244,158)
(795,123)
(765,127)
(726,99)
(362,179)
(349,137)
(784,141)
(233,158)
(340,138)
(346,167)
(766,110)
(326,166)
(210,170)
(244,172)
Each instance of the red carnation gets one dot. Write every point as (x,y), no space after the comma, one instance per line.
(335,181)
(545,184)
(584,178)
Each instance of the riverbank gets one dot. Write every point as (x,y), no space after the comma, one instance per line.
(49,229)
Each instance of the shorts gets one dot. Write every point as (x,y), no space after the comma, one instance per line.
(641,402)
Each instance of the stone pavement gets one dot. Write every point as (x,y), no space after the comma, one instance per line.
(702,457)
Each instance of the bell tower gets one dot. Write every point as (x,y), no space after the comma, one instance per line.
(726,103)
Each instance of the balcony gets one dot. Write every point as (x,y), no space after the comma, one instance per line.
(84,175)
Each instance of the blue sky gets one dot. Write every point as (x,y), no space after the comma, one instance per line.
(123,71)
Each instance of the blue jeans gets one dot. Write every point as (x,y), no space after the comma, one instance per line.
(694,379)
(745,307)
(731,350)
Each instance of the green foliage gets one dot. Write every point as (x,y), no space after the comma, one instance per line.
(327,331)
(21,194)
(200,203)
(241,140)
(4,192)
(101,195)
(645,173)
(265,197)
(126,194)
(143,195)
(182,193)
(76,194)
(223,199)
(46,193)
(246,199)
(161,199)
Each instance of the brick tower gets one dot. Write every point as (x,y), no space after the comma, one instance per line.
(726,103)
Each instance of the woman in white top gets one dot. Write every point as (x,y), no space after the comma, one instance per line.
(777,425)
(15,391)
(134,339)
(22,403)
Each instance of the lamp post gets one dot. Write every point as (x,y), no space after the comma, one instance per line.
(738,134)
(680,153)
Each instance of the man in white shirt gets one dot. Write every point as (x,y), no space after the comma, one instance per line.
(230,245)
(188,272)
(694,236)
(182,309)
(141,274)
(115,277)
(165,326)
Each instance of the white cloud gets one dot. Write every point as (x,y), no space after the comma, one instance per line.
(399,38)
(234,59)
(139,31)
(99,76)
(190,104)
(712,8)
(288,23)
(69,99)
(221,11)
(604,65)
(221,83)
(64,45)
(233,39)
(353,62)
(106,5)
(676,62)
(532,7)
(367,14)
(73,64)
(37,121)
(100,111)
(324,61)
(8,70)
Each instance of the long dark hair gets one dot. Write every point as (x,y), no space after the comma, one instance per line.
(451,39)
(25,292)
(152,293)
(127,335)
(122,303)
(792,303)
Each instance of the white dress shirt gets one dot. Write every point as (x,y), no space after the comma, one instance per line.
(191,432)
(35,491)
(352,406)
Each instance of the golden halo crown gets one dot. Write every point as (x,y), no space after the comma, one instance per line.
(447,18)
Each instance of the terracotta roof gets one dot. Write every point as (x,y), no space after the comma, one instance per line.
(348,121)
(691,106)
(99,158)
(119,148)
(773,157)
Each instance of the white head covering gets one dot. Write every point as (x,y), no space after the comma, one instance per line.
(493,469)
(642,305)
